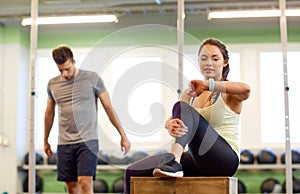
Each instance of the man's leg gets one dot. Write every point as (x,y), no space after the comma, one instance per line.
(87,165)
(72,187)
(66,168)
(85,184)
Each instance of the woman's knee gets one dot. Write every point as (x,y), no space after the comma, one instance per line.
(178,107)
(179,104)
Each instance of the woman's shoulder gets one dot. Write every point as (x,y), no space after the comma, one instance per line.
(232,102)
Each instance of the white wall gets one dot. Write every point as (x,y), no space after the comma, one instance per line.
(14,92)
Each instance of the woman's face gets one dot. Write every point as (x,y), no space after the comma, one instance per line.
(211,62)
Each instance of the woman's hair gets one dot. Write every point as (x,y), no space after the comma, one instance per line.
(61,54)
(224,51)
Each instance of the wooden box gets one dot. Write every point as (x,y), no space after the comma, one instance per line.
(188,185)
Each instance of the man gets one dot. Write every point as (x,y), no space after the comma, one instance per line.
(75,92)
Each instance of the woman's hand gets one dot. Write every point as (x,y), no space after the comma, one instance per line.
(176,127)
(196,87)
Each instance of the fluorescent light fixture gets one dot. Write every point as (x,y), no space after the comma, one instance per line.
(71,19)
(252,13)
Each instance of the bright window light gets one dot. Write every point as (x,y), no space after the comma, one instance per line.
(138,102)
(71,19)
(272,93)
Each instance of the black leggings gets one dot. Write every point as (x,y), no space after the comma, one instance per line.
(209,154)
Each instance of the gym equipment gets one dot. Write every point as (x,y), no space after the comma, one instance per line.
(38,184)
(118,186)
(246,157)
(119,158)
(284,40)
(52,160)
(31,110)
(241,187)
(295,157)
(138,155)
(39,159)
(103,157)
(160,152)
(296,186)
(100,186)
(270,185)
(266,156)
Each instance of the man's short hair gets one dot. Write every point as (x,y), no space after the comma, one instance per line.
(61,54)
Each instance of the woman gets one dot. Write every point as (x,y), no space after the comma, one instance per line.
(206,119)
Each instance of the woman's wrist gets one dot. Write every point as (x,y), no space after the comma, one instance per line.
(219,86)
(167,123)
(211,84)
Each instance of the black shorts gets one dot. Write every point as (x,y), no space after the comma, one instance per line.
(75,160)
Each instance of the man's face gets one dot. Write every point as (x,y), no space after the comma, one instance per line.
(67,69)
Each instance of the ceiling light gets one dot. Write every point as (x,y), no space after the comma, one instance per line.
(251,13)
(71,19)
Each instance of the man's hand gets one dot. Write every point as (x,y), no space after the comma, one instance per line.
(47,149)
(125,145)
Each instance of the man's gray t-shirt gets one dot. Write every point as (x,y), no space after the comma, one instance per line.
(77,105)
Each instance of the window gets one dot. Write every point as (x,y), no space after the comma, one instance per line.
(136,101)
(45,70)
(272,96)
